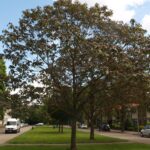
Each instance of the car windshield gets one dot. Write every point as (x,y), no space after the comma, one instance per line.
(11,123)
(147,127)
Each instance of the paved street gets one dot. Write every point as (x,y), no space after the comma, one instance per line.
(6,137)
(130,136)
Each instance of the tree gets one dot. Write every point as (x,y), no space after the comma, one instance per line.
(57,46)
(57,113)
(2,78)
(36,114)
(96,95)
(19,107)
(132,71)
(139,54)
(70,47)
(3,93)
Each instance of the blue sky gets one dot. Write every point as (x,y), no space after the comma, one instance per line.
(11,10)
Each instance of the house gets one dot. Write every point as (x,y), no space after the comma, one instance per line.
(6,116)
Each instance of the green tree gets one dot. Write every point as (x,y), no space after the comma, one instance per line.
(55,46)
(36,114)
(131,69)
(55,103)
(3,97)
(68,47)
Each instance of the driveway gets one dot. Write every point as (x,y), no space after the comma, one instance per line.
(6,137)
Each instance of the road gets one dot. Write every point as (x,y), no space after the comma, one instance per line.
(6,137)
(130,136)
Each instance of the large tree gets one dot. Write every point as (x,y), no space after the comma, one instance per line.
(57,46)
(3,93)
(130,78)
(69,46)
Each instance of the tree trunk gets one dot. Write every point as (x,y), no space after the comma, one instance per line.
(122,119)
(73,145)
(92,130)
(62,128)
(92,103)
(59,127)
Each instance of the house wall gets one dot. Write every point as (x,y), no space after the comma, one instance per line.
(135,115)
(148,116)
(6,116)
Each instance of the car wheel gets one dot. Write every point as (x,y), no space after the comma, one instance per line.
(16,131)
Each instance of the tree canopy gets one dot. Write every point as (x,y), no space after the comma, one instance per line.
(2,87)
(69,48)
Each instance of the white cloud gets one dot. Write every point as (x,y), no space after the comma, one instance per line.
(37,84)
(122,9)
(17,91)
(146,22)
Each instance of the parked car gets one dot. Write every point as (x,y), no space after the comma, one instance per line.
(12,125)
(83,126)
(104,127)
(40,124)
(24,125)
(145,131)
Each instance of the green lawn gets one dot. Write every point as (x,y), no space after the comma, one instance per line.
(83,147)
(48,135)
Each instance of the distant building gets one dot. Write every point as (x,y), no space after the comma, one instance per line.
(6,116)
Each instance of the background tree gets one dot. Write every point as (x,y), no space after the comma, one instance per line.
(139,55)
(54,105)
(36,114)
(3,92)
(132,67)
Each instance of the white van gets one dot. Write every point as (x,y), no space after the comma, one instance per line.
(12,125)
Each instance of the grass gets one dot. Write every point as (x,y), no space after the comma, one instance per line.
(48,135)
(83,147)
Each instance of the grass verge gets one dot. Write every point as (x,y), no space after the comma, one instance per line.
(49,135)
(83,147)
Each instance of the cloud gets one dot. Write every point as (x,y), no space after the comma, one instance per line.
(36,84)
(123,9)
(146,22)
(17,91)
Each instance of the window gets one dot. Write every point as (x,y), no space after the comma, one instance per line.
(11,123)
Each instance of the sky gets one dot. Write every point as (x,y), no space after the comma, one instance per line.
(124,10)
